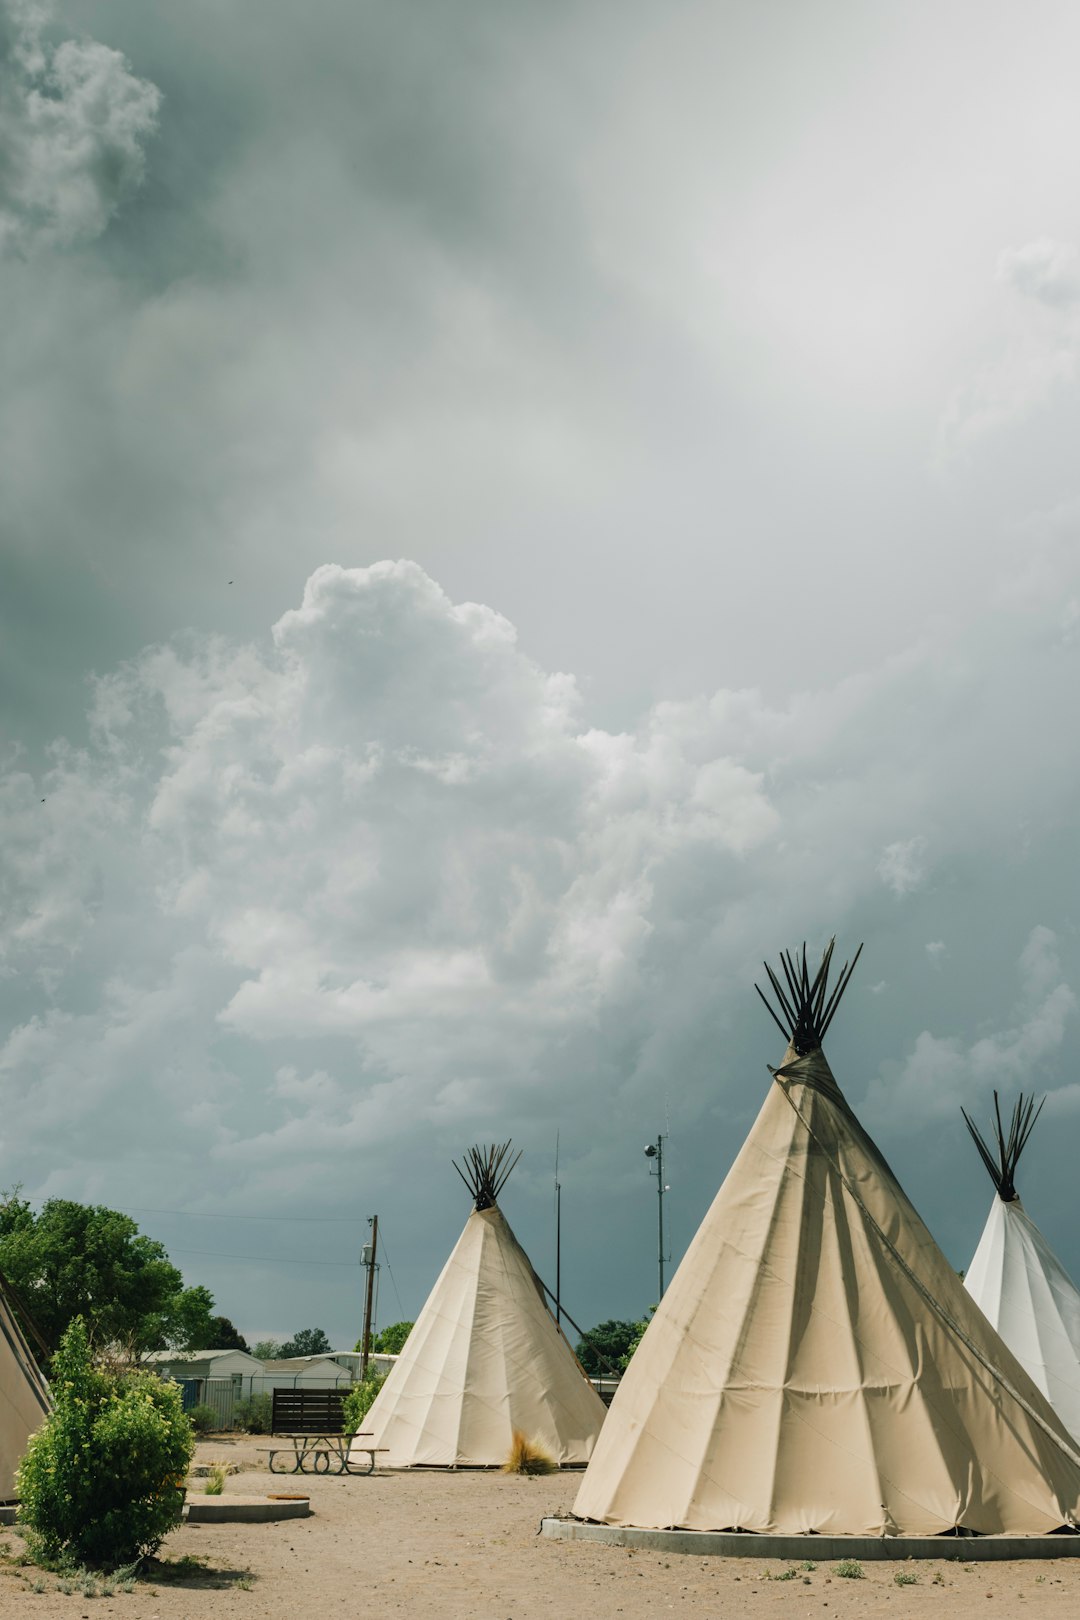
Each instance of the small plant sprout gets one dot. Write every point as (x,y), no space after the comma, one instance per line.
(215,1481)
(809,1565)
(849,1569)
(905,1577)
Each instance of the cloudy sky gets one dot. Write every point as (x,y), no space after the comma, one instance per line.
(512,513)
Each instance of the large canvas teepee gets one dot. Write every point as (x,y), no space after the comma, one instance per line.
(485,1356)
(24,1397)
(1018,1282)
(816,1364)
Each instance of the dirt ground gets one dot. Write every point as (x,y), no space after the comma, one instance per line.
(466,1545)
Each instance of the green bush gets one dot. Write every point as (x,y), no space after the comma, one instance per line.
(354,1408)
(102,1482)
(202,1419)
(254,1414)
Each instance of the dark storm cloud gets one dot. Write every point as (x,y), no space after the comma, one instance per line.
(297,918)
(707,355)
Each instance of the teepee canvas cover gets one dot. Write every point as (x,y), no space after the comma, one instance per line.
(24,1397)
(485,1356)
(816,1364)
(1018,1282)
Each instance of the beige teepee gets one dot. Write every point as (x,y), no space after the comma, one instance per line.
(816,1364)
(485,1356)
(24,1396)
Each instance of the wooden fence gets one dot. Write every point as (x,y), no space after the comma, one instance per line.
(308,1411)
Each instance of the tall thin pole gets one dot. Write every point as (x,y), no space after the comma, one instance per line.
(366,1339)
(655,1150)
(558,1236)
(660,1207)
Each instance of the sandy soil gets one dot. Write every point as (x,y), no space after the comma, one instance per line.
(465,1545)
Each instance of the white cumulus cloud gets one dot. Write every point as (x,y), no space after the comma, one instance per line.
(901,866)
(303,910)
(1046,270)
(389,833)
(74,121)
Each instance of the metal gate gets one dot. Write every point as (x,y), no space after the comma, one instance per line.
(189,1392)
(220,1395)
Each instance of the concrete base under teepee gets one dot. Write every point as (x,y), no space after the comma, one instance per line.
(743,1544)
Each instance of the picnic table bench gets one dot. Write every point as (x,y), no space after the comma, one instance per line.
(298,1450)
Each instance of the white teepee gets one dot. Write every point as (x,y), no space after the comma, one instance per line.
(815,1365)
(1017,1280)
(24,1397)
(485,1356)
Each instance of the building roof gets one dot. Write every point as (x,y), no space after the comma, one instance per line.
(303,1364)
(192,1358)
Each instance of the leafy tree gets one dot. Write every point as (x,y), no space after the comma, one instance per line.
(185,1324)
(223,1336)
(267,1350)
(308,1342)
(85,1260)
(102,1482)
(391,1341)
(639,1334)
(602,1349)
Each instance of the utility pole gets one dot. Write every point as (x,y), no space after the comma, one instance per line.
(655,1150)
(367,1258)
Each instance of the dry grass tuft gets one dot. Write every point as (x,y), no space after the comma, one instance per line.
(526,1457)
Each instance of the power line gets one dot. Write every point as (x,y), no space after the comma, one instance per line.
(214,1215)
(265,1259)
(390,1273)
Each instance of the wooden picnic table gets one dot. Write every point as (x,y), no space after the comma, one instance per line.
(320,1450)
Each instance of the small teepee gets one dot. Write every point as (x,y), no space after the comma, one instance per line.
(485,1357)
(24,1396)
(815,1365)
(1016,1279)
